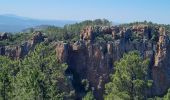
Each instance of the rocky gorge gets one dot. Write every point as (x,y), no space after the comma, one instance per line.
(94,60)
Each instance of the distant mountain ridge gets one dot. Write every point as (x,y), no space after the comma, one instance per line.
(14,23)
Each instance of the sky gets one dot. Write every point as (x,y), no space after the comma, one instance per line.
(121,11)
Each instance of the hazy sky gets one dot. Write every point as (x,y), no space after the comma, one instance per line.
(115,10)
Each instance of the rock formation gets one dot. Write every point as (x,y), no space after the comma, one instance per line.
(19,51)
(161,69)
(95,61)
(4,36)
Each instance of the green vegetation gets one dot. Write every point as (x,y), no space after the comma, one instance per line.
(8,70)
(15,39)
(167,96)
(72,32)
(39,76)
(88,96)
(129,82)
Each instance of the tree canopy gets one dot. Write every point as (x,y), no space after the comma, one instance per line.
(37,76)
(129,82)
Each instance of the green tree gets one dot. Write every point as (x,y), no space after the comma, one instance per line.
(89,96)
(129,82)
(41,76)
(167,96)
(8,69)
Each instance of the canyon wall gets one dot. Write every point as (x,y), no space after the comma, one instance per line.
(95,60)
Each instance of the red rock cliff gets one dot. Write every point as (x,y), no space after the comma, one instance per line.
(94,61)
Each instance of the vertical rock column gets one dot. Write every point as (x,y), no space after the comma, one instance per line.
(161,69)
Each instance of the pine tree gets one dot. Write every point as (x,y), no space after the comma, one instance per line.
(41,76)
(167,96)
(129,82)
(8,70)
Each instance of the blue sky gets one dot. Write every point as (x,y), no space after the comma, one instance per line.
(115,10)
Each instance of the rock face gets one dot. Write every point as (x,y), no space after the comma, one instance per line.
(62,51)
(37,38)
(161,69)
(95,61)
(87,34)
(19,51)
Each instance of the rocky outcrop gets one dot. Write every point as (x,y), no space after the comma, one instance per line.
(19,51)
(94,61)
(161,48)
(142,30)
(161,69)
(4,36)
(37,38)
(62,52)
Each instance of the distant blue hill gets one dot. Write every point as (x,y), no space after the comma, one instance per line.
(13,23)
